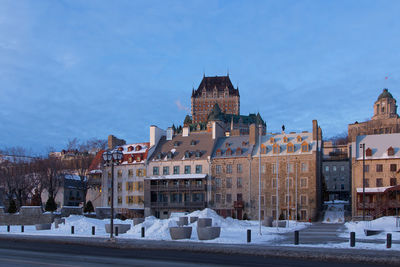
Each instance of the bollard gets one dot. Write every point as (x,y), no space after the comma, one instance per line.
(93,230)
(8,228)
(352,239)
(142,232)
(22,228)
(296,237)
(389,240)
(248,235)
(116,231)
(72,230)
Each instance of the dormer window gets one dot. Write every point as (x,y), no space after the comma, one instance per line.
(272,140)
(228,152)
(238,151)
(276,149)
(159,156)
(187,154)
(198,154)
(299,139)
(285,139)
(193,143)
(130,159)
(244,143)
(176,143)
(138,159)
(290,148)
(121,148)
(218,152)
(226,144)
(169,155)
(263,149)
(390,151)
(304,147)
(138,148)
(368,152)
(130,148)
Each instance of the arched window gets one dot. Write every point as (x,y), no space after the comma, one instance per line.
(304,147)
(299,139)
(229,152)
(130,148)
(390,151)
(130,159)
(187,154)
(285,139)
(238,151)
(368,152)
(290,148)
(263,149)
(121,148)
(272,140)
(219,152)
(276,149)
(138,148)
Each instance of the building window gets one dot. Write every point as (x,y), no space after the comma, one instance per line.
(262,168)
(119,187)
(303,200)
(229,168)
(262,200)
(327,168)
(334,168)
(304,147)
(288,199)
(239,168)
(341,186)
(187,169)
(290,148)
(342,168)
(289,182)
(366,169)
(228,182)
(165,170)
(393,167)
(390,151)
(228,152)
(228,198)
(291,167)
(119,200)
(276,149)
(274,183)
(304,167)
(119,173)
(393,181)
(218,182)
(219,152)
(239,182)
(176,169)
(368,152)
(156,171)
(218,169)
(274,168)
(130,173)
(273,200)
(366,182)
(217,198)
(263,149)
(199,168)
(129,186)
(379,168)
(379,182)
(304,182)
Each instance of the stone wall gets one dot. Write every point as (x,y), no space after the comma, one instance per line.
(27,216)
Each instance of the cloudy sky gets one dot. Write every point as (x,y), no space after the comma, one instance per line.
(92,68)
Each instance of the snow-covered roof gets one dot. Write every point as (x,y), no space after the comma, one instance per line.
(135,148)
(379,144)
(278,139)
(178,176)
(373,189)
(96,171)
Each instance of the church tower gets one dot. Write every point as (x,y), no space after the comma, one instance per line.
(385,107)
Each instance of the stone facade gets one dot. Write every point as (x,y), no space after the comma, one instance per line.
(214,90)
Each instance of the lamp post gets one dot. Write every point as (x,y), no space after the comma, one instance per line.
(363,151)
(112,158)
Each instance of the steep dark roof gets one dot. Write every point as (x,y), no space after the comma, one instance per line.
(385,94)
(219,82)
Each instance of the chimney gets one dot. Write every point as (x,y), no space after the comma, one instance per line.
(314,129)
(185,131)
(155,135)
(170,133)
(253,134)
(217,130)
(114,141)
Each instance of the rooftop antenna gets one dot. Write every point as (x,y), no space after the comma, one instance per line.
(204,73)
(227,72)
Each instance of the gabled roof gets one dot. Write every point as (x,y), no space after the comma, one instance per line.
(218,82)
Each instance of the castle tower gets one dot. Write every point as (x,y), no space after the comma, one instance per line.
(385,107)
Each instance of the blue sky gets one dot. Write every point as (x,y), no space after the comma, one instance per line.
(92,68)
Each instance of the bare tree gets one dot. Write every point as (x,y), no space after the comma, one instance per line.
(51,175)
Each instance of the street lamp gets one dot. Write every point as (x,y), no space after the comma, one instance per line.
(112,158)
(363,151)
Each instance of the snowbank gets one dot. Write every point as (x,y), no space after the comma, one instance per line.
(387,224)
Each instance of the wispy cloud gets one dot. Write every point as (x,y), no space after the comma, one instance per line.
(181,106)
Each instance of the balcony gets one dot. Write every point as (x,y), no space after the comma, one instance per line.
(170,205)
(178,187)
(368,205)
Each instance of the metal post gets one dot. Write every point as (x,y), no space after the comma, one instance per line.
(22,229)
(8,228)
(248,235)
(389,240)
(93,230)
(295,166)
(72,230)
(352,239)
(277,192)
(363,149)
(296,237)
(116,231)
(287,187)
(259,181)
(142,232)
(112,201)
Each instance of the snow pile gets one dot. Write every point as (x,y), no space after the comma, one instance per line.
(334,214)
(388,224)
(232,230)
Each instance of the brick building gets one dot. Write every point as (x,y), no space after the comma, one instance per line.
(214,90)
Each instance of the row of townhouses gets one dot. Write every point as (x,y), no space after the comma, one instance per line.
(229,162)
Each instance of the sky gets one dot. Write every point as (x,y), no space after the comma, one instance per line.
(87,69)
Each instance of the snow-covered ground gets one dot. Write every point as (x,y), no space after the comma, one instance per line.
(334,213)
(387,224)
(232,230)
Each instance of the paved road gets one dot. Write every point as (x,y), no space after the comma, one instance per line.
(26,253)
(319,233)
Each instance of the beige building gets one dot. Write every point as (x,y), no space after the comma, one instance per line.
(382,175)
(179,173)
(290,175)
